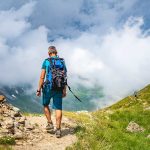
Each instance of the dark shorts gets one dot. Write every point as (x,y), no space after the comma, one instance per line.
(56,96)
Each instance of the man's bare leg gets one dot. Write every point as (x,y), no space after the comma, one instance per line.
(58,118)
(47,113)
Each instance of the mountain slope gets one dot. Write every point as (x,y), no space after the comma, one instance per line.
(20,97)
(24,98)
(109,128)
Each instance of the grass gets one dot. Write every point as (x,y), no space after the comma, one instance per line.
(7,140)
(79,118)
(5,147)
(32,114)
(107,128)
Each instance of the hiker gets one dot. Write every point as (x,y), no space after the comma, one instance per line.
(54,86)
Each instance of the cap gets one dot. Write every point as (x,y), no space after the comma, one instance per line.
(52,49)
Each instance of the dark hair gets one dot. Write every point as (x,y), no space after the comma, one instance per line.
(52,49)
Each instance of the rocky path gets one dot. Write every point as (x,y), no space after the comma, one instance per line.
(29,131)
(46,141)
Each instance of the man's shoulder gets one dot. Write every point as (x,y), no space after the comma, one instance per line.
(46,61)
(61,58)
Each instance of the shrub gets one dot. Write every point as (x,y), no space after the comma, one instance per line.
(7,140)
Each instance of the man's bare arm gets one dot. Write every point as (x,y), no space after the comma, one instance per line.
(41,81)
(64,91)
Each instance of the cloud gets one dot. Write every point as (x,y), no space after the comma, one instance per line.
(100,41)
(71,18)
(119,60)
(20,46)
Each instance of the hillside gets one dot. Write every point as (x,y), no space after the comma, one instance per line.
(122,126)
(20,97)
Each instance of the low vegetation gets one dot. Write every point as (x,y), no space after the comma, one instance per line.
(7,140)
(5,147)
(106,129)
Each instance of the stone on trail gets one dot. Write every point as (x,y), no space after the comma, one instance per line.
(4,132)
(15,109)
(134,127)
(2,98)
(9,123)
(18,135)
(15,112)
(29,127)
(148,136)
(22,120)
(36,131)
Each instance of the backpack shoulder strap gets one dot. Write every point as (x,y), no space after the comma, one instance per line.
(62,60)
(51,62)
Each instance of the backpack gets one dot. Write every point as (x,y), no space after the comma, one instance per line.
(56,77)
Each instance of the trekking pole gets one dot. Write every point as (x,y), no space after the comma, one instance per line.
(73,93)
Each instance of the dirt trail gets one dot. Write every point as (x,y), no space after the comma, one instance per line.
(46,141)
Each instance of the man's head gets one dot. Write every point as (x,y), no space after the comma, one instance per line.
(52,50)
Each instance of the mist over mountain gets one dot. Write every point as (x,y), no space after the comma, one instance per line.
(24,98)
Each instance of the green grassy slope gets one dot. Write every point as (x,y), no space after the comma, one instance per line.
(106,129)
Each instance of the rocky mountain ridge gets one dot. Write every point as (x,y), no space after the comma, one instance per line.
(13,123)
(22,97)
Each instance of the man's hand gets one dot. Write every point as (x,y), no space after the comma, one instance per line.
(38,93)
(64,92)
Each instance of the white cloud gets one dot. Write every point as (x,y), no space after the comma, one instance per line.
(120,58)
(115,57)
(21,47)
(13,22)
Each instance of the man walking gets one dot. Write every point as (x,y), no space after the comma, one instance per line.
(53,85)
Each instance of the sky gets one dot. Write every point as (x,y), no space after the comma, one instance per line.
(104,42)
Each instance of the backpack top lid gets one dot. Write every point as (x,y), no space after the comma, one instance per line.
(56,62)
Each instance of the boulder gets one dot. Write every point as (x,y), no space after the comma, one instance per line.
(147,108)
(9,123)
(2,98)
(22,120)
(36,131)
(18,135)
(15,112)
(21,127)
(134,127)
(148,136)
(4,131)
(29,127)
(15,109)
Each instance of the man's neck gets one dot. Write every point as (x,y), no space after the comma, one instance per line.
(53,55)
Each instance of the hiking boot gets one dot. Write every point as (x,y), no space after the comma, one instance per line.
(50,128)
(58,133)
